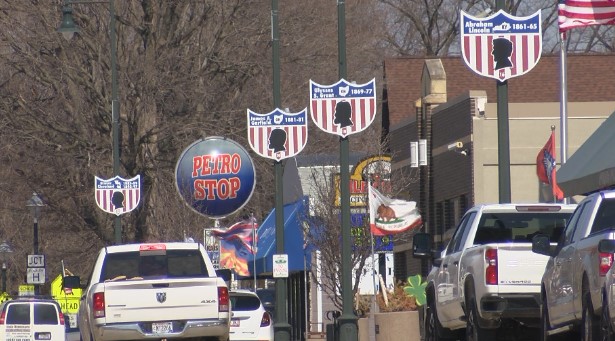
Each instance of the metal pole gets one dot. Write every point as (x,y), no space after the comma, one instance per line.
(563,103)
(348,320)
(280,326)
(35,248)
(3,277)
(115,112)
(254,248)
(503,135)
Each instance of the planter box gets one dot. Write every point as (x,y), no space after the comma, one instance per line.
(397,326)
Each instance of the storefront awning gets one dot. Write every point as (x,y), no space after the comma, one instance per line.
(295,218)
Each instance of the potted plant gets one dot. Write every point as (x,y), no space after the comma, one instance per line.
(397,312)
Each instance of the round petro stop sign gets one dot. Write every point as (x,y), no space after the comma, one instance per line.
(215,176)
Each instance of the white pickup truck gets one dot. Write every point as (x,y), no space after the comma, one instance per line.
(487,276)
(154,291)
(573,285)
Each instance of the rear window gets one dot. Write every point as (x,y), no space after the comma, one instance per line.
(244,303)
(519,227)
(44,313)
(605,217)
(18,313)
(172,264)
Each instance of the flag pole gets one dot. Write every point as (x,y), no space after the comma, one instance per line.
(372,311)
(563,103)
(253,248)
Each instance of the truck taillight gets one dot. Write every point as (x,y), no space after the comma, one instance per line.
(2,317)
(61,317)
(491,272)
(99,304)
(606,260)
(223,299)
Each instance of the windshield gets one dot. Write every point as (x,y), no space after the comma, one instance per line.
(171,264)
(519,227)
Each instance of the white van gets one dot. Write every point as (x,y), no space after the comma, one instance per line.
(32,319)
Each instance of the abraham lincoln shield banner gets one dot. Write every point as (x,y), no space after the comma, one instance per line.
(277,135)
(118,195)
(501,46)
(343,108)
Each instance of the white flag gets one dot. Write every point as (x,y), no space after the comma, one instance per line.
(391,216)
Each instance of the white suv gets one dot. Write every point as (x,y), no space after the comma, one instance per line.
(32,319)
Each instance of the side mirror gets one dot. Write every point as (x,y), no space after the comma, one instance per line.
(72,282)
(606,246)
(541,244)
(225,274)
(421,245)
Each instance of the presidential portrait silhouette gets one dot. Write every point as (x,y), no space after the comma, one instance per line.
(343,113)
(117,199)
(277,140)
(502,50)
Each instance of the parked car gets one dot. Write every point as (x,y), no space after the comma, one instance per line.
(32,319)
(607,314)
(249,319)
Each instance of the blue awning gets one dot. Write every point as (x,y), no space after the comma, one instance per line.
(295,217)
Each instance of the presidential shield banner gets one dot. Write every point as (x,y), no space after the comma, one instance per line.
(343,108)
(277,135)
(118,195)
(501,46)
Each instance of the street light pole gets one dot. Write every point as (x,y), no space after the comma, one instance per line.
(35,203)
(68,29)
(4,249)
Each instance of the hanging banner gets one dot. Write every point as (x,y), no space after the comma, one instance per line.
(501,46)
(277,135)
(215,176)
(118,195)
(343,108)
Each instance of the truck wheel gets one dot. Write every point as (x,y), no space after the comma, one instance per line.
(590,328)
(433,330)
(606,330)
(473,330)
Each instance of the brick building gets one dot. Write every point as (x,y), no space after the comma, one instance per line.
(444,102)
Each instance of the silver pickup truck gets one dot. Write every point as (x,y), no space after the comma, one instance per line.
(154,291)
(575,274)
(487,276)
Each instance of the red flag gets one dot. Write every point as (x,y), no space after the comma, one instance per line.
(579,13)
(545,166)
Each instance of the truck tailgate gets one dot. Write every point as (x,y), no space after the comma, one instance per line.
(519,269)
(152,300)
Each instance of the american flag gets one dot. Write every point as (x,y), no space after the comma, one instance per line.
(579,13)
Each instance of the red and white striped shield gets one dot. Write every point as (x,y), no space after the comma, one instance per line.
(277,135)
(343,108)
(501,46)
(118,195)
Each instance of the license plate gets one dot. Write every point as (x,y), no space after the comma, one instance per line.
(162,327)
(235,323)
(42,336)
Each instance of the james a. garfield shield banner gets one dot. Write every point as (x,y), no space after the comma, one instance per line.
(277,135)
(501,46)
(343,108)
(118,195)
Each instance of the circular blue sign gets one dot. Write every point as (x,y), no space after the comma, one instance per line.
(215,176)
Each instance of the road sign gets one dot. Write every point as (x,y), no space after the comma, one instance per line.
(36,276)
(36,261)
(280,266)
(26,290)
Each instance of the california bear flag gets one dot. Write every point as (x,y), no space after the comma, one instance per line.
(390,216)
